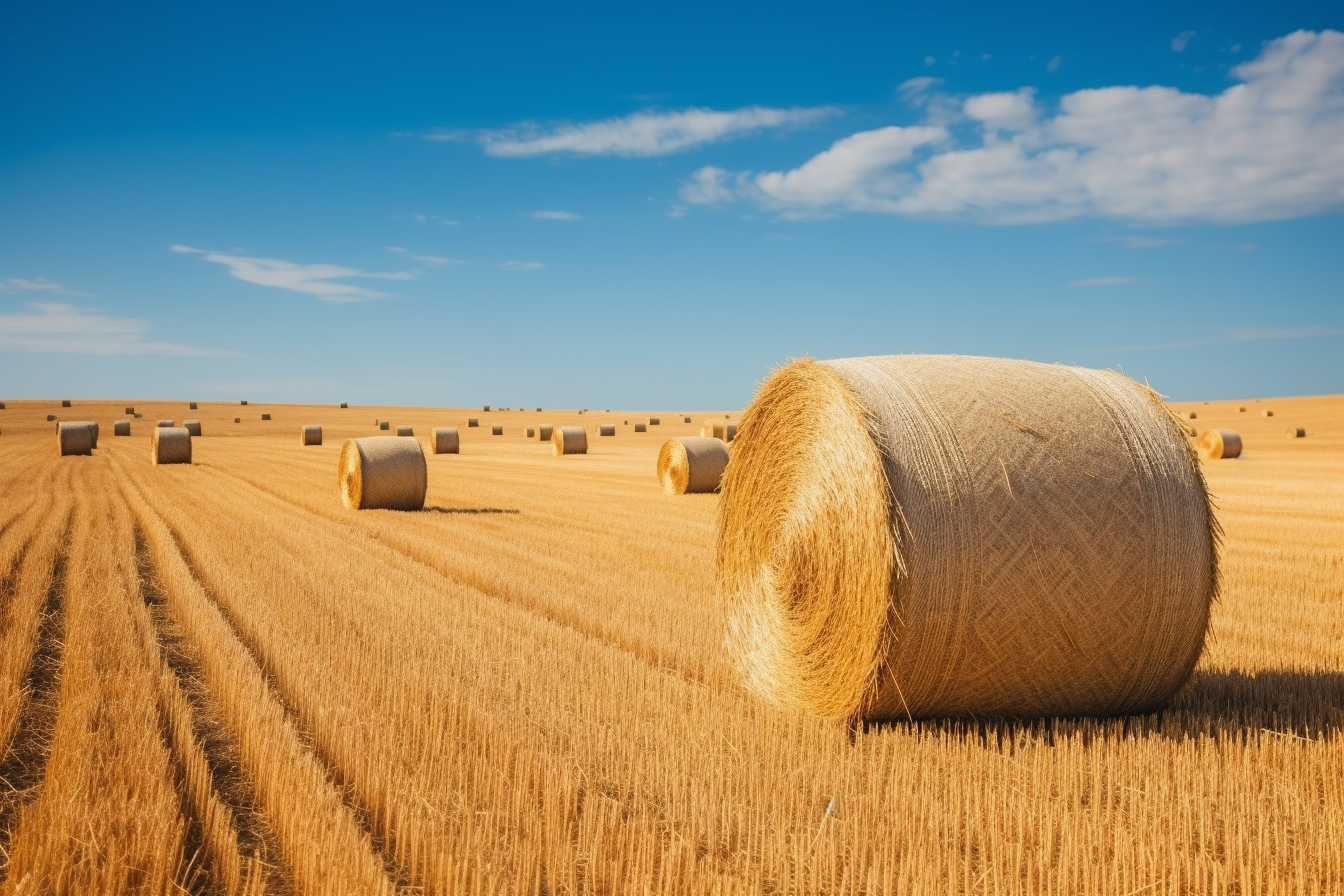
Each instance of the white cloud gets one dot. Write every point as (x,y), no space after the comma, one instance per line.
(1240,335)
(1054,64)
(555,216)
(521,265)
(433,261)
(435,219)
(19,284)
(707,187)
(63,328)
(320,280)
(644,133)
(1090,282)
(1181,41)
(1265,149)
(915,90)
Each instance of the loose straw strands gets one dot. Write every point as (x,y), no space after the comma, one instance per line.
(691,465)
(74,438)
(915,536)
(170,445)
(444,440)
(382,473)
(570,440)
(1220,444)
(310,435)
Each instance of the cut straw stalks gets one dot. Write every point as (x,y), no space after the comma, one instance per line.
(169,445)
(691,465)
(382,473)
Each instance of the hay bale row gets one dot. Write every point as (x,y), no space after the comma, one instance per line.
(919,536)
(170,445)
(1220,444)
(121,428)
(570,440)
(192,426)
(382,473)
(75,437)
(443,440)
(692,465)
(310,435)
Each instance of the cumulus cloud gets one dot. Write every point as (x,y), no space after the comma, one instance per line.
(320,280)
(63,328)
(555,215)
(644,133)
(1266,148)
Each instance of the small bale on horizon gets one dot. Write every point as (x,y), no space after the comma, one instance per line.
(382,473)
(640,427)
(129,411)
(530,431)
(65,402)
(191,406)
(265,416)
(244,403)
(496,430)
(1267,413)
(170,445)
(472,421)
(51,417)
(345,404)
(444,440)
(486,408)
(655,421)
(310,435)
(685,419)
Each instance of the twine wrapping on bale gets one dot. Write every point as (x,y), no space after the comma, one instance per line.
(1220,444)
(544,432)
(443,440)
(121,428)
(192,426)
(472,421)
(1267,413)
(191,406)
(919,536)
(382,473)
(1295,432)
(170,445)
(606,429)
(74,438)
(691,465)
(496,430)
(265,416)
(716,429)
(570,440)
(530,431)
(640,427)
(405,431)
(167,423)
(311,435)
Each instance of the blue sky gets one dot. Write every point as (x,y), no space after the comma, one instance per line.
(652,205)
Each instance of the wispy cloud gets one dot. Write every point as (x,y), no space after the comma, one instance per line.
(433,261)
(644,133)
(40,284)
(1135,241)
(1241,334)
(521,265)
(434,219)
(319,280)
(555,216)
(1181,41)
(1264,149)
(1089,282)
(61,328)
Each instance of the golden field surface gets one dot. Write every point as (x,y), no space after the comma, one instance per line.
(215,679)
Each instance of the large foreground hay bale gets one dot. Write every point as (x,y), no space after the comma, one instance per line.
(310,435)
(691,465)
(405,431)
(383,473)
(917,536)
(443,440)
(1295,432)
(544,432)
(719,429)
(1220,444)
(121,428)
(606,429)
(75,437)
(192,426)
(170,445)
(570,440)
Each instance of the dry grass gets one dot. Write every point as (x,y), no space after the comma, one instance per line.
(523,689)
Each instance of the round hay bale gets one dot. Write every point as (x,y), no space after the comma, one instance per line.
(137,416)
(685,419)
(1295,432)
(191,406)
(310,435)
(382,473)
(51,417)
(237,419)
(1241,409)
(715,429)
(486,408)
(243,403)
(530,431)
(129,411)
(691,465)
(121,428)
(1220,444)
(170,445)
(606,429)
(538,410)
(570,440)
(65,402)
(265,416)
(192,426)
(544,432)
(93,428)
(345,404)
(496,430)
(472,421)
(925,536)
(1190,415)
(655,421)
(2,405)
(405,431)
(74,438)
(384,425)
(640,427)
(443,440)
(1267,413)
(167,423)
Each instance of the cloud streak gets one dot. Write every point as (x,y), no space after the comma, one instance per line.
(1239,335)
(323,281)
(1266,148)
(56,327)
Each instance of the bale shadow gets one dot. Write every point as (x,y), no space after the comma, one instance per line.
(1217,703)
(434,509)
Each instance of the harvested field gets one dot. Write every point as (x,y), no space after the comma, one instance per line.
(214,677)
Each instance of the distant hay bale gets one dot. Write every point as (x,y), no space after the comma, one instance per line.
(244,403)
(538,410)
(265,416)
(1190,415)
(65,402)
(310,435)
(1220,444)
(1267,413)
(443,440)
(715,429)
(75,437)
(167,423)
(691,465)
(570,440)
(383,473)
(121,428)
(384,425)
(655,421)
(486,408)
(405,431)
(606,429)
(1295,432)
(170,445)
(544,432)
(129,411)
(932,536)
(496,430)
(530,431)
(237,419)
(51,417)
(2,405)
(640,427)
(192,426)
(1241,409)
(472,421)
(192,406)
(137,416)
(685,419)
(345,404)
